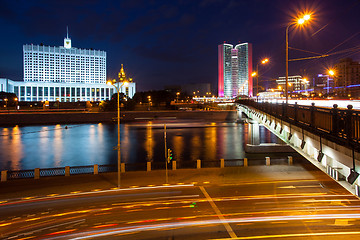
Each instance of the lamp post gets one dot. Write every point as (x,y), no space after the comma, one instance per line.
(149,100)
(16,103)
(113,83)
(6,100)
(332,74)
(300,21)
(264,61)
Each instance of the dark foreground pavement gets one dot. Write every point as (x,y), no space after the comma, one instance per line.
(255,202)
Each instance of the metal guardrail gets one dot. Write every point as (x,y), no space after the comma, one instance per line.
(95,169)
(339,125)
(20,174)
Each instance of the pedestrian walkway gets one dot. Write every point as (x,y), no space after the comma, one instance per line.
(28,188)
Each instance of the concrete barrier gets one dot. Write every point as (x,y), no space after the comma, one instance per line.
(122,168)
(267,161)
(36,173)
(357,190)
(67,171)
(245,162)
(198,164)
(222,163)
(290,160)
(148,166)
(4,176)
(96,169)
(173,165)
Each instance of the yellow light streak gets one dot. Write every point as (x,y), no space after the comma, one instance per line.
(5,224)
(32,219)
(295,235)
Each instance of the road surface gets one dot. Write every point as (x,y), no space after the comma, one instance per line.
(311,208)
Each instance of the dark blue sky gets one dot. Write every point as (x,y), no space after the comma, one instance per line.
(172,42)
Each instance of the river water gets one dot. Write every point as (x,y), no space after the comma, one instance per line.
(30,147)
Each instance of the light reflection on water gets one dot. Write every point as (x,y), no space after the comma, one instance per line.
(49,146)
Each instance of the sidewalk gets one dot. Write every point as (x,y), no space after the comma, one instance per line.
(23,188)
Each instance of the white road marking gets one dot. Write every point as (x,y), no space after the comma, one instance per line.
(218,213)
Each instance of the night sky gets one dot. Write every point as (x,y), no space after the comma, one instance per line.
(173,42)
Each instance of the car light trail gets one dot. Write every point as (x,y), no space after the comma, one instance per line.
(142,228)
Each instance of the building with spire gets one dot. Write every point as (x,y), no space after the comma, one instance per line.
(65,74)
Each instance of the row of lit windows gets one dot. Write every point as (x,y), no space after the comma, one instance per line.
(62,91)
(47,49)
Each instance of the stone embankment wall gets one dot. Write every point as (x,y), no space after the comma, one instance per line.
(23,118)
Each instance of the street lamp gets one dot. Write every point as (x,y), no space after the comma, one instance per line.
(256,74)
(300,21)
(149,100)
(16,103)
(118,88)
(332,74)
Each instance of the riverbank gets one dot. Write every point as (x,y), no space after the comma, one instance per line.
(76,184)
(49,117)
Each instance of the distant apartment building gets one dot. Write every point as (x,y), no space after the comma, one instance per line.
(234,70)
(295,83)
(347,72)
(65,74)
(323,84)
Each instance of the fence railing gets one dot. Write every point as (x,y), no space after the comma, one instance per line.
(148,166)
(339,125)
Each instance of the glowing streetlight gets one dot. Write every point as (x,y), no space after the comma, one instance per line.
(332,74)
(300,21)
(256,74)
(121,82)
(306,17)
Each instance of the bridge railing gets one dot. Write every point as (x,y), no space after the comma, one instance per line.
(339,125)
(96,169)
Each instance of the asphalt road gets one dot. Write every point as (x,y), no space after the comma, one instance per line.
(316,208)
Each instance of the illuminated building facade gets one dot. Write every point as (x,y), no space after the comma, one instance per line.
(295,83)
(65,74)
(234,70)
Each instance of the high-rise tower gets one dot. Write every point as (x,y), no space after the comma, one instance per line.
(235,67)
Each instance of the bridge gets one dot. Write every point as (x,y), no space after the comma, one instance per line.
(327,137)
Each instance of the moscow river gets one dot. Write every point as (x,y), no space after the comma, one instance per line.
(29,147)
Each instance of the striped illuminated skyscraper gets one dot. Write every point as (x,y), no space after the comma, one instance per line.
(235,67)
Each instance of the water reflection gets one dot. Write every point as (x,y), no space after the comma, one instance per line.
(57,146)
(149,143)
(86,144)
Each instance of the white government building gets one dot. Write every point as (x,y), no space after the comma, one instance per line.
(64,74)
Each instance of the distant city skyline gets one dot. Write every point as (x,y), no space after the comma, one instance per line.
(165,42)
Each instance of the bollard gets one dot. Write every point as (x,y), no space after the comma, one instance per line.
(222,163)
(122,169)
(36,173)
(174,165)
(148,166)
(245,162)
(198,164)
(4,176)
(290,160)
(96,169)
(267,161)
(67,171)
